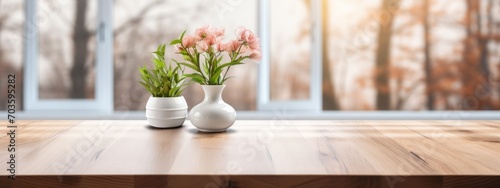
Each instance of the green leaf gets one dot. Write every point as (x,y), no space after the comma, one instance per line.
(226,79)
(145,85)
(218,73)
(182,35)
(191,66)
(176,41)
(220,80)
(206,68)
(163,50)
(183,52)
(220,68)
(196,77)
(159,64)
(216,76)
(219,60)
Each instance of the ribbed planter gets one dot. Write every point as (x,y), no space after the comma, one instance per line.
(166,112)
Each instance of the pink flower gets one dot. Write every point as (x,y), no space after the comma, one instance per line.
(219,32)
(211,39)
(202,32)
(233,45)
(207,31)
(245,34)
(202,46)
(241,32)
(220,47)
(254,44)
(256,55)
(248,37)
(188,41)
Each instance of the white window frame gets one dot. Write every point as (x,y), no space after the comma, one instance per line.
(314,103)
(103,101)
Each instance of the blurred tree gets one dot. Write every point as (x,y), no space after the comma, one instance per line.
(329,95)
(476,91)
(81,36)
(383,53)
(483,38)
(427,56)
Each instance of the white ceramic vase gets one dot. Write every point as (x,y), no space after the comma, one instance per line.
(166,112)
(212,114)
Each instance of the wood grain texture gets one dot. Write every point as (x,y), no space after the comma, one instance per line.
(441,153)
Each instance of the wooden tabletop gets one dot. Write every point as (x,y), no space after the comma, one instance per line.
(256,148)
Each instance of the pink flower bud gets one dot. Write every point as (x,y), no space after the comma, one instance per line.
(178,48)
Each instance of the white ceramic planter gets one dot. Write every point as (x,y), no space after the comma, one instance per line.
(213,114)
(166,112)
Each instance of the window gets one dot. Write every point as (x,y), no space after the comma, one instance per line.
(318,55)
(433,61)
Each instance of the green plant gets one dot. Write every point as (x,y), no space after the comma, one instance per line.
(163,80)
